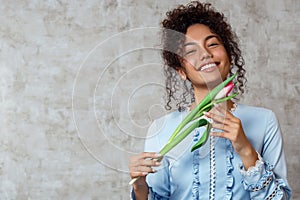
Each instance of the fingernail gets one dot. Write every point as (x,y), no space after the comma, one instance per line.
(157,163)
(145,173)
(158,155)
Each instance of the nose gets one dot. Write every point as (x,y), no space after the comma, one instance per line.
(205,54)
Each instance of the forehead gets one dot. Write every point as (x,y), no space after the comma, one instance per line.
(197,32)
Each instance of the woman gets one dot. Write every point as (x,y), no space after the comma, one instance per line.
(244,157)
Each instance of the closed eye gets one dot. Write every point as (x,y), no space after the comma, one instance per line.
(190,52)
(213,40)
(213,44)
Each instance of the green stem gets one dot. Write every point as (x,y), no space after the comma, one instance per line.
(181,136)
(207,99)
(209,106)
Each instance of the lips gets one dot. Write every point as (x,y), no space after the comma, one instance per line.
(208,67)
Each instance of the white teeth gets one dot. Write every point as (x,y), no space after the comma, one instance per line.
(208,66)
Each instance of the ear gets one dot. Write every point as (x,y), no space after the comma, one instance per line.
(181,73)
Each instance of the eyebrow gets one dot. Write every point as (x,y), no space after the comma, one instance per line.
(207,38)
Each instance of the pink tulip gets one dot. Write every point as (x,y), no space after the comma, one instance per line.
(225,91)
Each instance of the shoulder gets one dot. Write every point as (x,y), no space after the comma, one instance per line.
(258,122)
(254,109)
(246,112)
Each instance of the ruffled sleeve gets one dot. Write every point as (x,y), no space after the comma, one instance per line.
(267,179)
(261,182)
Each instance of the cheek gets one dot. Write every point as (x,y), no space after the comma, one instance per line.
(223,55)
(190,63)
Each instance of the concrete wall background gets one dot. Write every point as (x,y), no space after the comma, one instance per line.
(77,93)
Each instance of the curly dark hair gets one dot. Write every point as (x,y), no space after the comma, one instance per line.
(175,25)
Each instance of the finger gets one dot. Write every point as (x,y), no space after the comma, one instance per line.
(224,134)
(145,159)
(148,162)
(219,126)
(217,118)
(226,115)
(223,110)
(144,170)
(141,171)
(137,161)
(152,155)
(222,126)
(215,110)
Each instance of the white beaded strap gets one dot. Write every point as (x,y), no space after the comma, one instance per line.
(212,165)
(272,195)
(265,184)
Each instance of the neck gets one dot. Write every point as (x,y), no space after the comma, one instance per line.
(200,94)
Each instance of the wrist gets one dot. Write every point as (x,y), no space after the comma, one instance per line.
(140,184)
(249,157)
(140,189)
(248,152)
(137,187)
(253,170)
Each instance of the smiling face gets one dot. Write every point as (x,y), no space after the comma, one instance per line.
(205,60)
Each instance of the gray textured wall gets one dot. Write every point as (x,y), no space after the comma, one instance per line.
(78,93)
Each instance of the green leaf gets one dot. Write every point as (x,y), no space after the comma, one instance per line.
(181,136)
(203,138)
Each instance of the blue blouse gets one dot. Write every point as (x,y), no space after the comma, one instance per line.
(186,175)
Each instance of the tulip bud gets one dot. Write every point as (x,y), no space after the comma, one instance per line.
(225,91)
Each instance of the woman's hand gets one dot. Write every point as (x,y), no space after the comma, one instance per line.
(231,128)
(140,166)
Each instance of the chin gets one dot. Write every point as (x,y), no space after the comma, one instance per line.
(213,79)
